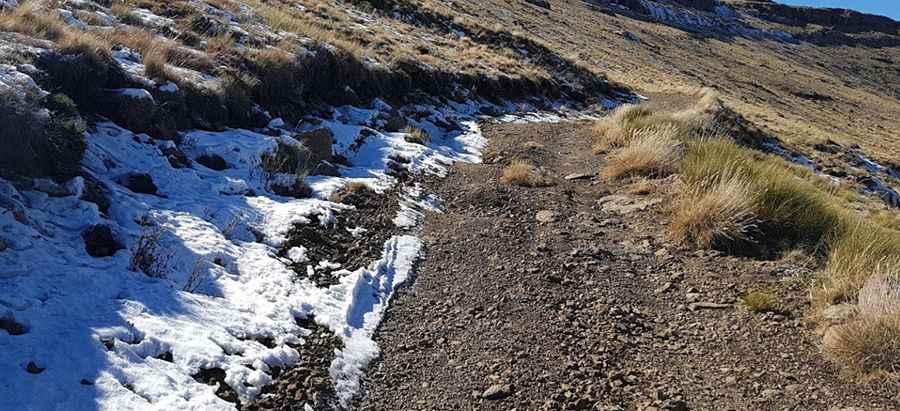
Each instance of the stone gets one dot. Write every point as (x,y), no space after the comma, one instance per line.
(497,392)
(620,204)
(578,176)
(544,4)
(839,313)
(99,241)
(33,368)
(708,306)
(132,108)
(318,145)
(213,162)
(140,183)
(545,216)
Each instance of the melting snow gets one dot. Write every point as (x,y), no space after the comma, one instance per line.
(111,338)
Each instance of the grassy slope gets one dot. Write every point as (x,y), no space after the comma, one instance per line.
(759,79)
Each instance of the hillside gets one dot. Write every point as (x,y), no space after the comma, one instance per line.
(209,204)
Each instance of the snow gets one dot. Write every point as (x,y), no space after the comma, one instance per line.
(221,288)
(135,93)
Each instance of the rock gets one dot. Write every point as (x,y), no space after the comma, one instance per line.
(395,122)
(545,216)
(675,405)
(140,183)
(540,3)
(578,176)
(99,241)
(297,189)
(620,204)
(213,162)
(177,158)
(839,313)
(33,368)
(132,108)
(497,392)
(318,145)
(708,306)
(3,245)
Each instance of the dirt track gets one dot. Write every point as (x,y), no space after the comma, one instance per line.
(591,308)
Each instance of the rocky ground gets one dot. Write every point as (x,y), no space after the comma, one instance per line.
(572,297)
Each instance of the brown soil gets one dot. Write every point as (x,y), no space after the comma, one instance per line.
(593,308)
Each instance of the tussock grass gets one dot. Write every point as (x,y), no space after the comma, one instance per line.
(522,173)
(718,216)
(653,151)
(760,301)
(30,19)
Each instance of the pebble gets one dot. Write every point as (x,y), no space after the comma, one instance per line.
(497,392)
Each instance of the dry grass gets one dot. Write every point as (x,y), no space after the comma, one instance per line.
(720,215)
(522,173)
(416,135)
(351,193)
(855,253)
(31,19)
(652,151)
(868,346)
(760,301)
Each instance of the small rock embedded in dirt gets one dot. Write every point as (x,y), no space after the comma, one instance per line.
(497,392)
(708,306)
(545,216)
(578,176)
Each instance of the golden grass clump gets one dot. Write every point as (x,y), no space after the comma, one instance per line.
(855,253)
(653,151)
(522,173)
(416,135)
(760,301)
(31,20)
(720,215)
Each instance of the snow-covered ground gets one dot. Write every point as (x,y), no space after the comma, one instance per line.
(92,334)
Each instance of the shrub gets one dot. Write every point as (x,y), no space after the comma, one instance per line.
(147,255)
(717,217)
(522,173)
(416,135)
(653,151)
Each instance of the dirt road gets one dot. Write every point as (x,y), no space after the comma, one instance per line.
(571,297)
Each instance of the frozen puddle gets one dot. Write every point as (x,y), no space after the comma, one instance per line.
(84,332)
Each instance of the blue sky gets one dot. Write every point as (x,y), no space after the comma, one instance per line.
(890,8)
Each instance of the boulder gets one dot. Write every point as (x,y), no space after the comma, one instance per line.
(131,108)
(140,183)
(213,162)
(318,145)
(99,241)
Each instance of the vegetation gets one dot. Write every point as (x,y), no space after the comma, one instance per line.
(734,198)
(522,173)
(760,301)
(416,135)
